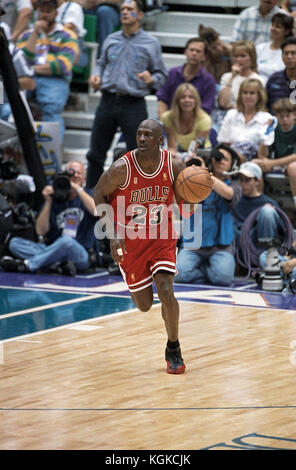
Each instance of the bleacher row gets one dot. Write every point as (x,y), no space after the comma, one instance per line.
(173,26)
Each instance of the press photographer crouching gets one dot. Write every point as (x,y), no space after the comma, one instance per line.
(213,262)
(17,216)
(65,224)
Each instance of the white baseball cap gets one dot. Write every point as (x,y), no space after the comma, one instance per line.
(250,170)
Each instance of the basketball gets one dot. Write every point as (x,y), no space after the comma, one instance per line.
(194,184)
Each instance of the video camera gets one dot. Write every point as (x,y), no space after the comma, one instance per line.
(62,185)
(11,184)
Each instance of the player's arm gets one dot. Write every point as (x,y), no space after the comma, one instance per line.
(110,180)
(178,165)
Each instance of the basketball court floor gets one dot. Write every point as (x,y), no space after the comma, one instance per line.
(81,368)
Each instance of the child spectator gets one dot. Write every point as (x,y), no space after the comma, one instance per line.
(282,153)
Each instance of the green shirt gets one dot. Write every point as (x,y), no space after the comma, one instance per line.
(284,143)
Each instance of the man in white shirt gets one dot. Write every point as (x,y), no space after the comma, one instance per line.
(71,15)
(254,23)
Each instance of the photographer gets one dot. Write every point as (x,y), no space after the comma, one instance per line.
(214,261)
(66,222)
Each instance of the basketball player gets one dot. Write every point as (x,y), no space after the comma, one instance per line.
(138,187)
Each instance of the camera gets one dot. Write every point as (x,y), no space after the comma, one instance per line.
(8,168)
(12,184)
(272,278)
(208,154)
(61,185)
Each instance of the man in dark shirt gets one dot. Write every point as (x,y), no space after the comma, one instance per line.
(282,84)
(252,198)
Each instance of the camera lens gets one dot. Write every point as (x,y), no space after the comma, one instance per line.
(61,186)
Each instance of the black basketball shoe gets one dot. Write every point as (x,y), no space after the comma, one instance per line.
(175,364)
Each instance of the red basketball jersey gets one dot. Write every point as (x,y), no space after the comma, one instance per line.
(143,212)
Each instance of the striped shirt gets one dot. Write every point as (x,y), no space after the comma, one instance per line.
(59,48)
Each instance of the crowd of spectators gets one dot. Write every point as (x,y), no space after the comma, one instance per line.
(234,100)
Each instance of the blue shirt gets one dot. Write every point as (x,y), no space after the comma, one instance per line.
(217,224)
(123,57)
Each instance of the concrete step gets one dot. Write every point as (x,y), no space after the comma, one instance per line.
(75,138)
(177,40)
(188,22)
(210,3)
(173,60)
(84,119)
(78,120)
(70,152)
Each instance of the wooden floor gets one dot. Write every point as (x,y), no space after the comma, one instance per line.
(101,383)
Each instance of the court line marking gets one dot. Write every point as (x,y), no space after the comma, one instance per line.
(57,290)
(124,312)
(206,408)
(49,306)
(177,293)
(68,325)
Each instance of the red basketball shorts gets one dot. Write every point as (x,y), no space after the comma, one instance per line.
(144,258)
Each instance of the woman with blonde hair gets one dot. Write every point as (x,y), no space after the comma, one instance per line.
(244,65)
(243,128)
(186,121)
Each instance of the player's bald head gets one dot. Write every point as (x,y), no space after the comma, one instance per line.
(152,125)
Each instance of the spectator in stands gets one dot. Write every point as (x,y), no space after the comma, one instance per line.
(67,227)
(71,15)
(290,7)
(243,127)
(218,59)
(108,17)
(130,67)
(281,155)
(192,72)
(282,83)
(186,121)
(244,65)
(252,198)
(17,16)
(52,50)
(214,261)
(253,23)
(24,72)
(269,54)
